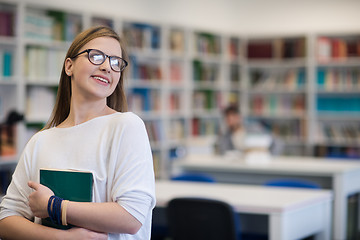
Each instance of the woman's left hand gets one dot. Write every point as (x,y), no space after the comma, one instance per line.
(38,200)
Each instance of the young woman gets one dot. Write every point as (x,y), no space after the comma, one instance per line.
(89,130)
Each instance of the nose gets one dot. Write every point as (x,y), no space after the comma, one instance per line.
(105,66)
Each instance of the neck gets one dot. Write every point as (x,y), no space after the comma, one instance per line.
(80,113)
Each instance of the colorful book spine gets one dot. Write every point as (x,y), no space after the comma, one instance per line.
(7,62)
(6,22)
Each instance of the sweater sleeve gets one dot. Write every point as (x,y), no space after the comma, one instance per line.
(134,185)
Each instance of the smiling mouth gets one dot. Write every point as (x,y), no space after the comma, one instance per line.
(101,79)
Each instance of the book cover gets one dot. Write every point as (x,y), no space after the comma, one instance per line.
(68,184)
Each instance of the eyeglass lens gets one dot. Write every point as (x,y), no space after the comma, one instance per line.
(97,57)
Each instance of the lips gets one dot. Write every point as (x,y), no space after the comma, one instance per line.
(101,79)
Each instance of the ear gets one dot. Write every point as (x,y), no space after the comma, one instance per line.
(69,67)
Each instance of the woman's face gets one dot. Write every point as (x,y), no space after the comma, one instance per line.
(94,82)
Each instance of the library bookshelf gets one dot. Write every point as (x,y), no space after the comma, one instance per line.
(179,79)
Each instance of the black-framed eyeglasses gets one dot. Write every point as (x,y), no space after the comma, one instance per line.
(97,57)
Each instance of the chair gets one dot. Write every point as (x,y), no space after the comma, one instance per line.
(297,183)
(196,177)
(201,219)
(161,232)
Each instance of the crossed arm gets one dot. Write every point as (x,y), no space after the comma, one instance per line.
(94,220)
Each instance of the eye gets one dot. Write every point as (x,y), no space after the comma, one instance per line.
(96,57)
(115,62)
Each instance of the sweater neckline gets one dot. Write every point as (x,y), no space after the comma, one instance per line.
(86,122)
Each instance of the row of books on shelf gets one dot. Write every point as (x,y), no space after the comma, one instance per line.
(145,71)
(43,63)
(144,100)
(142,35)
(286,130)
(6,63)
(176,130)
(50,25)
(205,71)
(277,48)
(347,79)
(7,20)
(204,100)
(290,80)
(277,105)
(39,104)
(204,127)
(155,130)
(337,152)
(207,43)
(348,104)
(342,133)
(329,48)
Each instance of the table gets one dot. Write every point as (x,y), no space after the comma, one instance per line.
(293,213)
(341,176)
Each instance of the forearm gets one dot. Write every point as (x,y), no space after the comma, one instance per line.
(107,217)
(16,227)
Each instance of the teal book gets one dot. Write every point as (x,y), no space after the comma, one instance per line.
(68,184)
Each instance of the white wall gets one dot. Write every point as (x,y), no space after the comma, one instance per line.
(232,16)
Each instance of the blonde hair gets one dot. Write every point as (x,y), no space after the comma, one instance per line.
(116,101)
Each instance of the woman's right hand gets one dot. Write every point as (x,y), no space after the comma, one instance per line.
(84,234)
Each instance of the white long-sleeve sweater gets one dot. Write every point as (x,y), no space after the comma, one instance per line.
(115,148)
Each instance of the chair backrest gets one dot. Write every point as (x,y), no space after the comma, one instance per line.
(201,219)
(297,183)
(195,177)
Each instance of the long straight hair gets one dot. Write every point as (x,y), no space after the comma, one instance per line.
(116,101)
